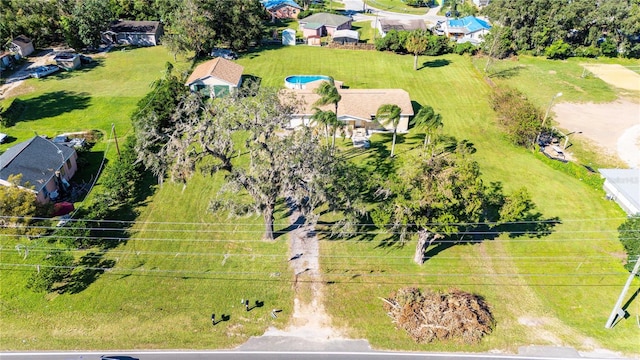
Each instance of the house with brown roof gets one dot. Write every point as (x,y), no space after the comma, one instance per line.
(357,108)
(128,32)
(21,45)
(216,77)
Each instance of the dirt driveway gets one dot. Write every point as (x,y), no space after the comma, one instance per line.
(14,80)
(614,126)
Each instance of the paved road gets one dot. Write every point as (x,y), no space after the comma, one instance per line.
(238,355)
(357,5)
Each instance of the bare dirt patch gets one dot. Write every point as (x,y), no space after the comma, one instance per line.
(310,319)
(616,75)
(615,126)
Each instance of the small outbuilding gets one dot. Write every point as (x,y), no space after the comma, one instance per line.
(288,37)
(623,186)
(314,40)
(346,37)
(21,45)
(68,60)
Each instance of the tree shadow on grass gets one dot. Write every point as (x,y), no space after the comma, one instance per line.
(52,104)
(435,63)
(87,270)
(506,73)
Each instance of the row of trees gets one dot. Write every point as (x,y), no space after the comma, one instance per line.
(588,27)
(191,25)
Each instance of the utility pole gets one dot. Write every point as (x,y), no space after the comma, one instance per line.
(617,310)
(113,130)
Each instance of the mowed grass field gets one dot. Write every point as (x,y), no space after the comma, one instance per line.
(181,262)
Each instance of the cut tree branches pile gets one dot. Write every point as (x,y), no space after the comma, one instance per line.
(456,315)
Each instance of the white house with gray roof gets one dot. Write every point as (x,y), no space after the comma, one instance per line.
(323,24)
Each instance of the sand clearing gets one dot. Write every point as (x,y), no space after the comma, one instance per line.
(614,126)
(616,75)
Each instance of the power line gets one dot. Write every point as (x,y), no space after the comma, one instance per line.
(573,259)
(363,274)
(235,223)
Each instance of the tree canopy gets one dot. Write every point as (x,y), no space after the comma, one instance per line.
(537,24)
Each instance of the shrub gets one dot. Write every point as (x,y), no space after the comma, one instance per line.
(518,117)
(54,268)
(587,51)
(438,45)
(558,50)
(465,48)
(629,235)
(609,48)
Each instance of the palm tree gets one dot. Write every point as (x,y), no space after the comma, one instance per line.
(416,44)
(326,119)
(427,119)
(390,114)
(328,94)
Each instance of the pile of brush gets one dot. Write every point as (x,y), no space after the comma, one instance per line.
(456,315)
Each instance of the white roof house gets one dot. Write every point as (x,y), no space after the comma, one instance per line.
(623,186)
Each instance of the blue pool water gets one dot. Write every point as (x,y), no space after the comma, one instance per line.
(299,81)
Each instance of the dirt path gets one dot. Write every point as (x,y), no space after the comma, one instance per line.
(17,78)
(309,319)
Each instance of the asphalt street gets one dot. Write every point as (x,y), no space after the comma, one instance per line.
(238,355)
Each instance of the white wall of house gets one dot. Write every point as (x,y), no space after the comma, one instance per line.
(620,198)
(210,82)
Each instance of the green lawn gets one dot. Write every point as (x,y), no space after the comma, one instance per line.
(396,6)
(173,272)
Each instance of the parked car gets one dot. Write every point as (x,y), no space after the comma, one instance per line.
(42,71)
(224,53)
(3,137)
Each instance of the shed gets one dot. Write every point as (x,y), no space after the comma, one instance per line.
(623,186)
(314,40)
(288,37)
(21,45)
(68,61)
(346,36)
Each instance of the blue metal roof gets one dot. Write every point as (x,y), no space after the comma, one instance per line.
(269,4)
(471,23)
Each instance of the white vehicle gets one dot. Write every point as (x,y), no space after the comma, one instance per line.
(3,137)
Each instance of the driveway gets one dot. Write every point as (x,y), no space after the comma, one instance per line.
(14,80)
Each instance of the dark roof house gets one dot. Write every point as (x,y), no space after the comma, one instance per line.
(42,163)
(385,25)
(128,32)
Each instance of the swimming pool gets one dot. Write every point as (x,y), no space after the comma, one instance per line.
(300,81)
